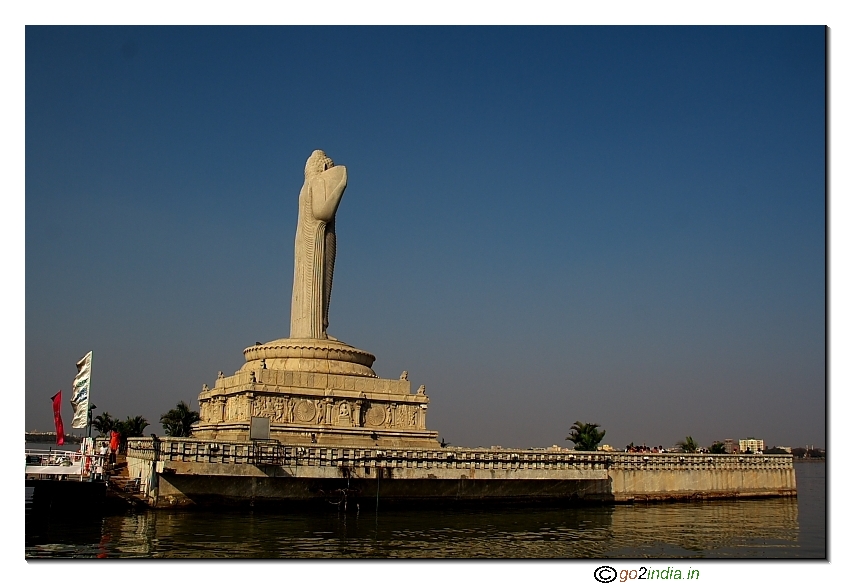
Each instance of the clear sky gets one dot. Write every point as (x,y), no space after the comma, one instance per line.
(620,225)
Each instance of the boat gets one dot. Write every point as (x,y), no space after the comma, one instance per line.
(64,479)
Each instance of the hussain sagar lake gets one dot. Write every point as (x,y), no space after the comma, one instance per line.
(786,527)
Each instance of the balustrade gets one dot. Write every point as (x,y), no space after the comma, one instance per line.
(273,453)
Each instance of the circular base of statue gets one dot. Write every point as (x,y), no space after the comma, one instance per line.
(310,355)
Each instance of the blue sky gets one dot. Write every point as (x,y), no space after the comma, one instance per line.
(623,225)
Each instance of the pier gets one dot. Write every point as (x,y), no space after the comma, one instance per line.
(62,479)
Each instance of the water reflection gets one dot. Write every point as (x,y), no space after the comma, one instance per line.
(62,535)
(751,528)
(744,528)
(656,530)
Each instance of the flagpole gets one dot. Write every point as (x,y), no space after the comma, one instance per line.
(88,404)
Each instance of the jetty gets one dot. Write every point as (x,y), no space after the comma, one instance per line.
(64,479)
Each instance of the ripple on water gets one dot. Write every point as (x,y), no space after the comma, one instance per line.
(770,528)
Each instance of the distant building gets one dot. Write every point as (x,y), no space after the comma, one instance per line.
(752,444)
(729,446)
(605,448)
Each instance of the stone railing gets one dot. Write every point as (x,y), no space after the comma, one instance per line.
(140,448)
(190,450)
(685,461)
(274,453)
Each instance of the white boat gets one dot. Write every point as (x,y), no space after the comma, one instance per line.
(64,465)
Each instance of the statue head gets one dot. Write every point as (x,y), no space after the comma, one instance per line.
(317,163)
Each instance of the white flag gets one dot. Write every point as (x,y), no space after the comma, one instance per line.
(80,393)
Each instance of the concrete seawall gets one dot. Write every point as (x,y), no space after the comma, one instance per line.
(636,477)
(181,472)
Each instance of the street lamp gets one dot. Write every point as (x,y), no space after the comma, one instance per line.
(92,407)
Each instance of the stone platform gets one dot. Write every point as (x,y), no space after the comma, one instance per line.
(184,472)
(315,391)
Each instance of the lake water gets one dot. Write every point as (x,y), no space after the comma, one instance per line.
(768,528)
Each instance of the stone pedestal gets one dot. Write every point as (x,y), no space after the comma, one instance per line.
(315,391)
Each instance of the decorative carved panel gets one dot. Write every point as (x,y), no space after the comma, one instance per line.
(376,415)
(305,411)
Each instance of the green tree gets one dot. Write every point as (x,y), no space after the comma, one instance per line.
(689,445)
(135,427)
(178,421)
(717,447)
(585,436)
(130,427)
(104,423)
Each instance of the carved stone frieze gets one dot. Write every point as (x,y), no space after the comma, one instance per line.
(376,415)
(344,414)
(305,411)
(321,412)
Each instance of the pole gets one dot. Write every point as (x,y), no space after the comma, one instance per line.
(378,493)
(88,426)
(88,404)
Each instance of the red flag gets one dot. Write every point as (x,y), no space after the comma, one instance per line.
(57,418)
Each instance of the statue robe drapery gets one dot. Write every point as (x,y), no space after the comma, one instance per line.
(315,252)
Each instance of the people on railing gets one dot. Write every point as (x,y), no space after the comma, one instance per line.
(632,448)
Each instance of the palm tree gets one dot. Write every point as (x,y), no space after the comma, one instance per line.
(136,426)
(178,421)
(585,436)
(689,445)
(104,423)
(130,427)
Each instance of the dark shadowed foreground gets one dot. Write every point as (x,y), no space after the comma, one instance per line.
(767,528)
